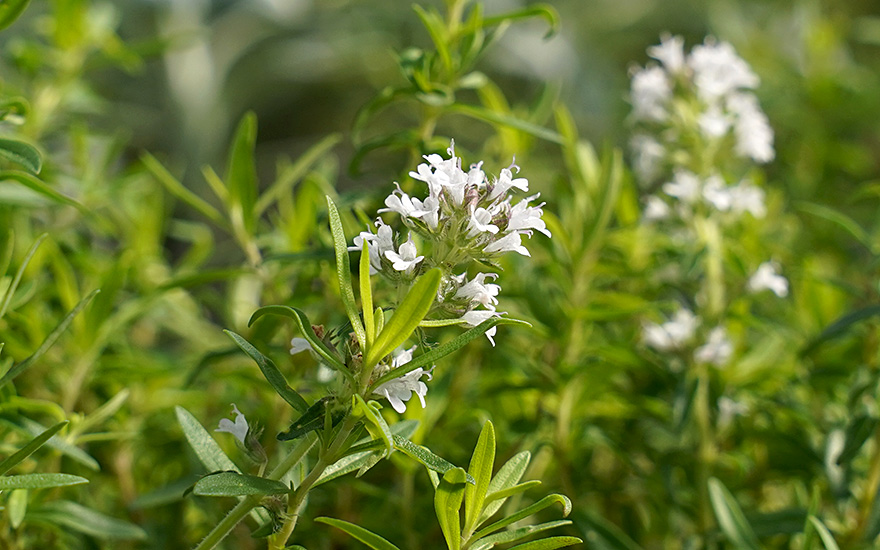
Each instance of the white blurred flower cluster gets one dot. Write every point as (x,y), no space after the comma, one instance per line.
(679,333)
(697,113)
(465,217)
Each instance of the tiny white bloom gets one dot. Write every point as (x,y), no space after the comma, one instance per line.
(406,259)
(239,428)
(754,136)
(714,122)
(298,345)
(477,316)
(671,334)
(523,216)
(656,209)
(746,197)
(718,70)
(506,181)
(380,243)
(717,349)
(670,52)
(685,186)
(400,390)
(648,155)
(651,90)
(481,222)
(477,290)
(511,241)
(718,194)
(767,277)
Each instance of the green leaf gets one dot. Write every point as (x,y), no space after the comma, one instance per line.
(343,272)
(312,419)
(241,173)
(431,357)
(84,520)
(305,327)
(841,326)
(504,494)
(20,152)
(16,280)
(374,422)
(39,481)
(826,536)
(608,533)
(859,430)
(369,538)
(233,484)
(546,11)
(367,295)
(10,10)
(34,444)
(436,28)
(361,453)
(447,502)
(173,186)
(480,468)
(424,456)
(514,535)
(549,500)
(209,452)
(406,317)
(48,342)
(16,506)
(272,374)
(842,220)
(551,543)
(504,120)
(730,517)
(34,429)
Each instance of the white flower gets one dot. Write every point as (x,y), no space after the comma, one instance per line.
(481,222)
(380,243)
(506,181)
(718,70)
(523,216)
(406,259)
(714,122)
(767,277)
(670,52)
(410,207)
(239,428)
(651,90)
(443,175)
(671,334)
(477,290)
(728,409)
(298,345)
(745,197)
(754,136)
(717,349)
(648,155)
(684,186)
(511,241)
(401,389)
(656,209)
(477,316)
(718,194)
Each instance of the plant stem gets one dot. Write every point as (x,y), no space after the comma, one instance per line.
(706,450)
(295,501)
(243,508)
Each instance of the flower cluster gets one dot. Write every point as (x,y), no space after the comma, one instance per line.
(465,218)
(681,330)
(695,113)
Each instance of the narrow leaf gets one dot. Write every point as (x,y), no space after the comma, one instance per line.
(551,543)
(241,172)
(34,429)
(369,538)
(10,10)
(48,342)
(824,534)
(406,317)
(514,535)
(480,468)
(730,517)
(545,502)
(425,457)
(312,419)
(16,280)
(295,172)
(374,422)
(39,481)
(546,11)
(34,444)
(87,521)
(20,152)
(233,484)
(305,327)
(510,491)
(173,186)
(272,374)
(431,357)
(858,431)
(367,295)
(358,458)
(16,506)
(209,452)
(447,502)
(35,184)
(499,119)
(343,272)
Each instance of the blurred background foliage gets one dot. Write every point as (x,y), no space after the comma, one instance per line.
(139,109)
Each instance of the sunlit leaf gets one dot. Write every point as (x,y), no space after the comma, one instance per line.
(272,374)
(10,10)
(233,484)
(12,460)
(343,272)
(87,521)
(17,151)
(369,538)
(39,481)
(447,502)
(730,517)
(545,502)
(480,468)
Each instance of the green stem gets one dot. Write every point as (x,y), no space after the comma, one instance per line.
(295,502)
(706,450)
(243,508)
